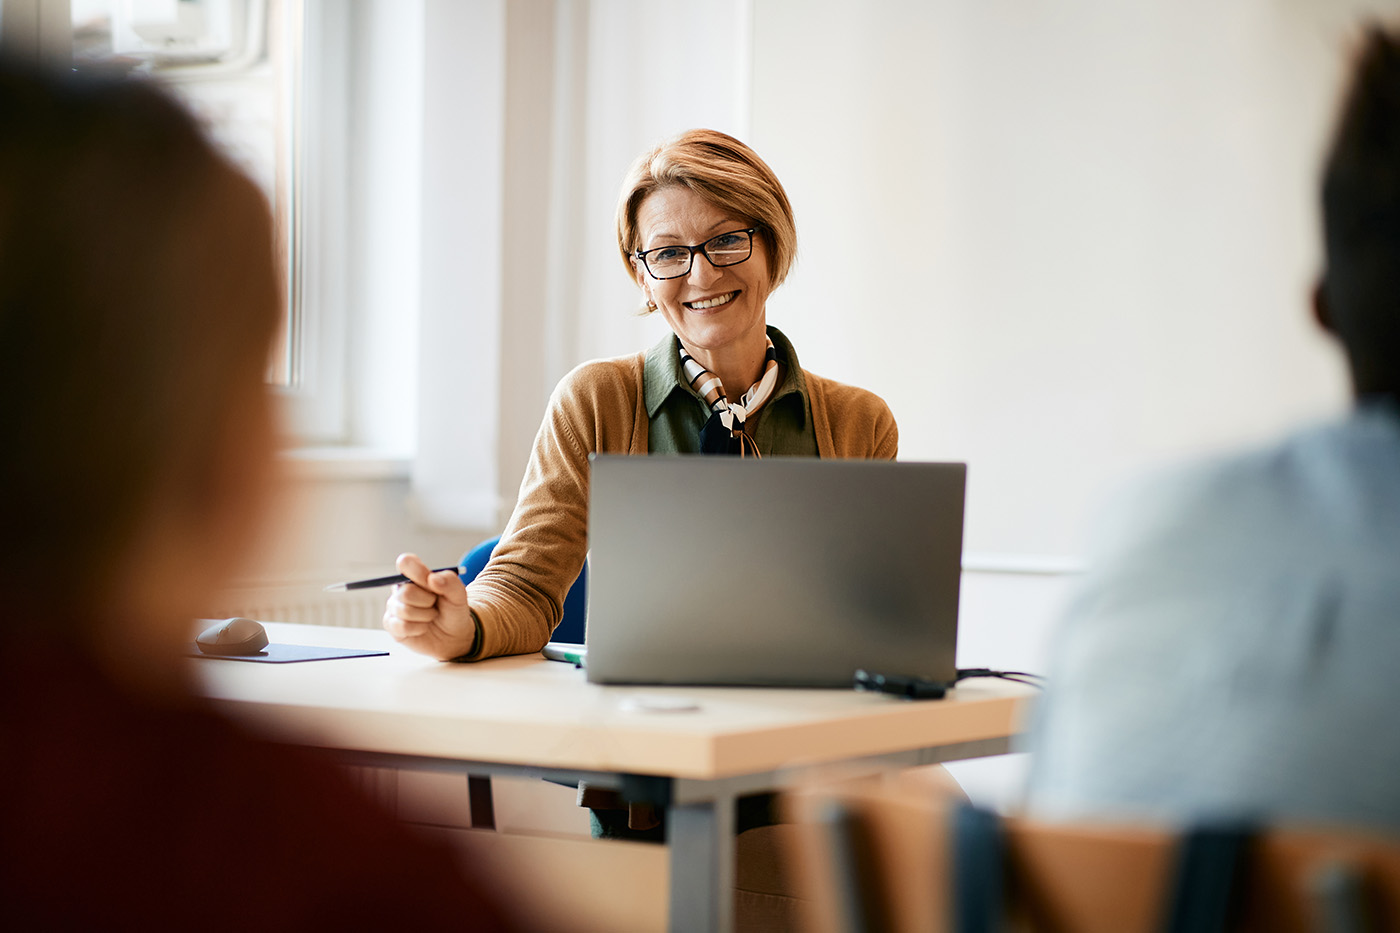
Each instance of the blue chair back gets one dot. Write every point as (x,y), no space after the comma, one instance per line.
(571,627)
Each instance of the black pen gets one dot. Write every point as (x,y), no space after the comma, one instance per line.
(380,581)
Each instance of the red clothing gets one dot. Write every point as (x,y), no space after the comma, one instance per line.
(120,812)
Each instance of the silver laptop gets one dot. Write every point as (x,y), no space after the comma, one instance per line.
(783,571)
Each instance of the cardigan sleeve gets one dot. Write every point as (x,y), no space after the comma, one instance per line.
(518,597)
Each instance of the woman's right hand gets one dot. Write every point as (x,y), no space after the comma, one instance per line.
(430,614)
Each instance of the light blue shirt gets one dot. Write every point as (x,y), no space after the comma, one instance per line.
(1235,649)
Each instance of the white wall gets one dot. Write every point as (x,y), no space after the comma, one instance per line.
(1065,240)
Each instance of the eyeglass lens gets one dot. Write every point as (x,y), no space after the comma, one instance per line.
(727,249)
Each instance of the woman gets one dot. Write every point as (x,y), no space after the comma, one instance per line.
(138,305)
(706,231)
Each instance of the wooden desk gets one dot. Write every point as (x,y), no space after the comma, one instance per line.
(528,716)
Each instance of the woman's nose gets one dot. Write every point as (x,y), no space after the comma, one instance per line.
(702,271)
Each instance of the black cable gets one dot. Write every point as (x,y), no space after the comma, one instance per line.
(1029,683)
(1025,674)
(1020,677)
(917,688)
(1024,677)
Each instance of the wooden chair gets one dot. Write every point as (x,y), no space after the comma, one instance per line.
(880,857)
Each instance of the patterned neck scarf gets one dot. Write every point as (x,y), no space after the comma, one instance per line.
(724,432)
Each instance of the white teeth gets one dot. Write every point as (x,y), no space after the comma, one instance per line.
(713,302)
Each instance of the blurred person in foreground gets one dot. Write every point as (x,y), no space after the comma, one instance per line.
(1233,651)
(138,305)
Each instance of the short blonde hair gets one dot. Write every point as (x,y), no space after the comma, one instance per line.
(723,171)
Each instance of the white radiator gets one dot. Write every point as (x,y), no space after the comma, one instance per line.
(306,604)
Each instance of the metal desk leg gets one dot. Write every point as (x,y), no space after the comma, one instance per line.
(701,839)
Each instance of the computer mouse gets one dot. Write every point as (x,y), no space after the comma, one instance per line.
(236,636)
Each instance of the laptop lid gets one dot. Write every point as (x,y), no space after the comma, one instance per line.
(783,571)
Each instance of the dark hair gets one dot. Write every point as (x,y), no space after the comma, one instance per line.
(1361,218)
(137,294)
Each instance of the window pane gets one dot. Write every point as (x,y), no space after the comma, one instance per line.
(233,63)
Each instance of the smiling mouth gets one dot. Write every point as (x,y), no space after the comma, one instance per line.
(709,303)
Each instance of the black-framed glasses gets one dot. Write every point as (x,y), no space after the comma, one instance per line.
(672,262)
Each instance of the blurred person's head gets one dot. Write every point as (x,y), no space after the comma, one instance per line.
(138,301)
(1359,296)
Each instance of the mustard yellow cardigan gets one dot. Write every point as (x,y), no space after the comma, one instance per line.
(518,598)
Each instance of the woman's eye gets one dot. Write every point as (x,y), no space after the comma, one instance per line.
(726,241)
(667,254)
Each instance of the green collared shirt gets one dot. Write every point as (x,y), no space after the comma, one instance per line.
(676,412)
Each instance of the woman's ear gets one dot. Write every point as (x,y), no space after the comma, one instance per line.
(644,283)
